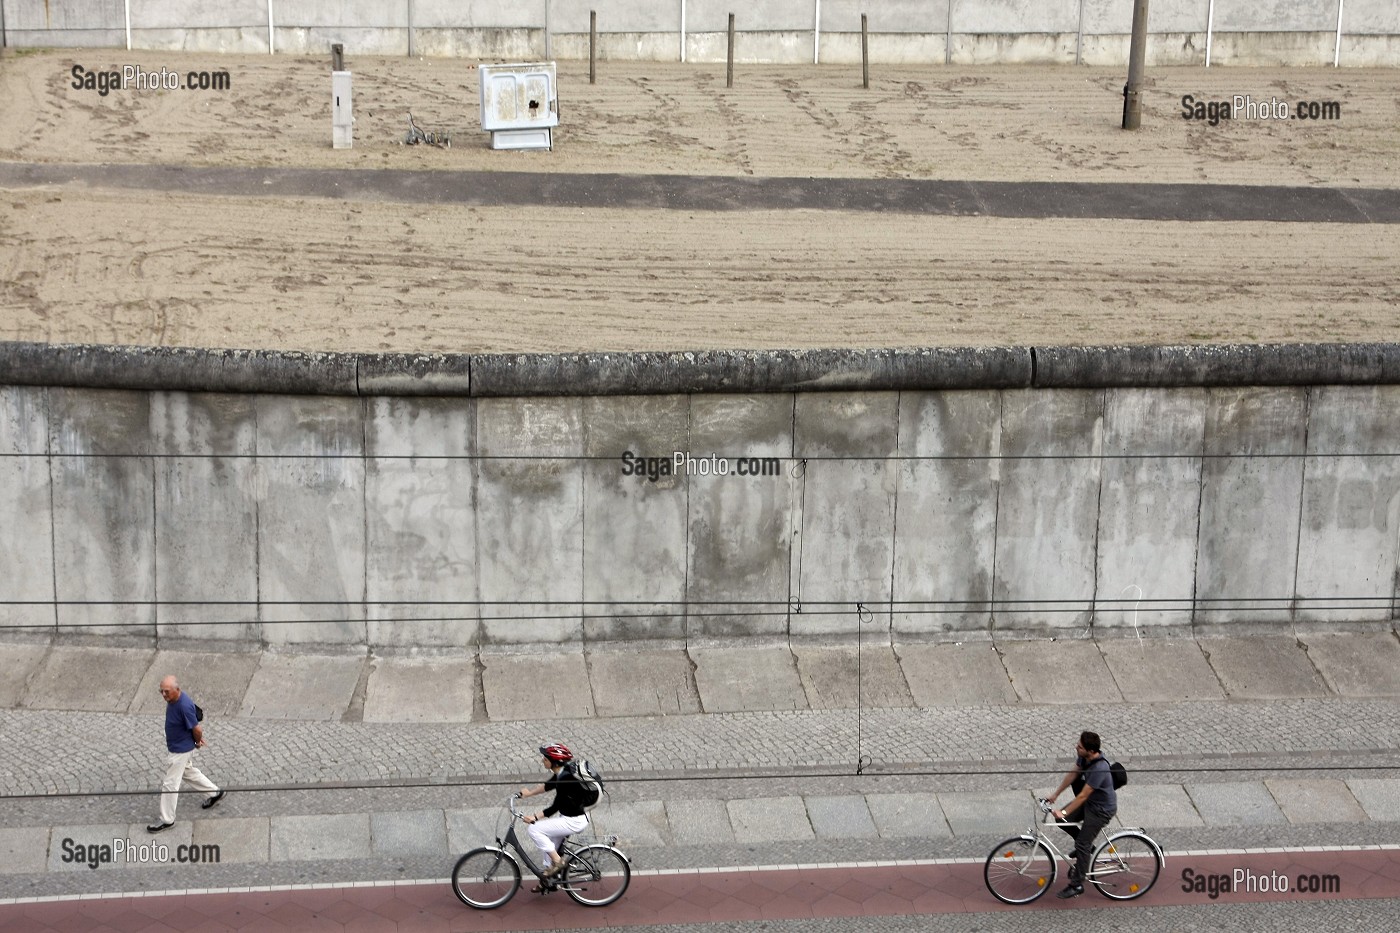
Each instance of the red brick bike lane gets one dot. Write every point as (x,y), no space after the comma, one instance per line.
(713,896)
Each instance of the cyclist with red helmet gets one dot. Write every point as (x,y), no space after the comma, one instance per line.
(565,816)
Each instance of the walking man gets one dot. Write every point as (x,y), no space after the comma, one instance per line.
(1095,804)
(183,734)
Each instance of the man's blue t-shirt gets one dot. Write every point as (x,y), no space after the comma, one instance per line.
(180,721)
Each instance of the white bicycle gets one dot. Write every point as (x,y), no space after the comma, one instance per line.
(1022,868)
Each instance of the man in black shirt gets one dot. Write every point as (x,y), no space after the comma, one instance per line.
(1095,804)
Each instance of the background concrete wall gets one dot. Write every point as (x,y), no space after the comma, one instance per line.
(422,522)
(902,31)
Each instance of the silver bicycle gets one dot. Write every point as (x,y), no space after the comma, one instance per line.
(1022,868)
(594,875)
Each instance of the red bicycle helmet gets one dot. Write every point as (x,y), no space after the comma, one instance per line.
(559,754)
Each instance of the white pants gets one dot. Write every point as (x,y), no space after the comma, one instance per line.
(547,834)
(179,766)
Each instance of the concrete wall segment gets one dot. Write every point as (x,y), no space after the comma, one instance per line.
(889,16)
(26,534)
(1015,16)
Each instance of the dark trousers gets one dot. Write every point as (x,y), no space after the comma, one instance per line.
(1084,836)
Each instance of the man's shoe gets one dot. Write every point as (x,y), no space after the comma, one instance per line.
(158,827)
(213,800)
(1072,890)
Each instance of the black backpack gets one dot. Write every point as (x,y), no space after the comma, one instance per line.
(1116,770)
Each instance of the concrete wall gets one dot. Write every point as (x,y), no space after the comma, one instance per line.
(436,522)
(966,32)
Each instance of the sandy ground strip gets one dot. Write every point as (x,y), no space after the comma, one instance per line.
(102,265)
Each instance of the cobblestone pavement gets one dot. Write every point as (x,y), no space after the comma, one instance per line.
(118,752)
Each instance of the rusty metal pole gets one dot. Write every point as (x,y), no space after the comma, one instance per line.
(592,46)
(337,57)
(864,53)
(729,74)
(1132,91)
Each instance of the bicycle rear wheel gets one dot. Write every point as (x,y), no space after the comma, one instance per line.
(1126,866)
(485,878)
(1019,870)
(596,875)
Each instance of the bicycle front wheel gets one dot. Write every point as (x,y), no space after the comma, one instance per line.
(1126,866)
(596,875)
(1019,870)
(485,878)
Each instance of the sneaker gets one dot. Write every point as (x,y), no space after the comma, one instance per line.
(1074,889)
(213,800)
(158,827)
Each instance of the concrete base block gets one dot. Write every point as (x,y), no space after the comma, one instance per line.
(22,850)
(996,814)
(20,663)
(1161,671)
(408,833)
(101,680)
(829,677)
(218,681)
(904,815)
(467,829)
(1235,804)
(296,686)
(239,840)
(736,679)
(1053,671)
(635,824)
(423,690)
(1361,665)
(699,822)
(959,674)
(1154,805)
(770,819)
(642,683)
(536,686)
(841,818)
(1316,801)
(331,836)
(1263,668)
(1379,797)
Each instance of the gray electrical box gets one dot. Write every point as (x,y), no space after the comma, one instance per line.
(342,113)
(519,105)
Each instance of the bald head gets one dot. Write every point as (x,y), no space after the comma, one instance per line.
(170,688)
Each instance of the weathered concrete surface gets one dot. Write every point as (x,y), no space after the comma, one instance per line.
(742,529)
(1148,521)
(1057,671)
(311,540)
(1237,803)
(968,674)
(295,686)
(206,536)
(731,679)
(633,681)
(1363,664)
(832,674)
(946,515)
(1251,480)
(420,523)
(413,689)
(1155,670)
(20,663)
(26,536)
(1047,509)
(1351,505)
(530,519)
(96,679)
(536,686)
(1269,667)
(1316,800)
(218,680)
